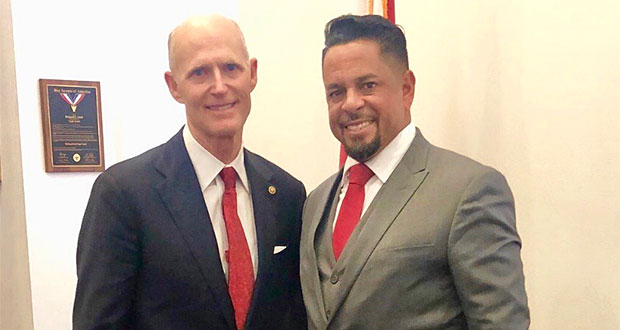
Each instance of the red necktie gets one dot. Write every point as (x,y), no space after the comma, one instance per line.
(351,208)
(240,268)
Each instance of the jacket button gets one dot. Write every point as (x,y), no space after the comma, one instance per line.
(334,279)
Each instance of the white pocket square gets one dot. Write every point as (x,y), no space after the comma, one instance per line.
(278,248)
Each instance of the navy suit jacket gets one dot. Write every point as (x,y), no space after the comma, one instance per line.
(147,256)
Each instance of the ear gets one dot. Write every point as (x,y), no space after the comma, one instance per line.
(253,70)
(408,88)
(172,86)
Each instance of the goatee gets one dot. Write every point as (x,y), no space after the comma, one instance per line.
(364,152)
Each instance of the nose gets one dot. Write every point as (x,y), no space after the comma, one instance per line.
(218,85)
(353,101)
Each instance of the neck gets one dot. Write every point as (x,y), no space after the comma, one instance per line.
(224,148)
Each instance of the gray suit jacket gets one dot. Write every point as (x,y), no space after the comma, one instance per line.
(438,249)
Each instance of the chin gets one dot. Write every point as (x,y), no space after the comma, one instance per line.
(362,151)
(228,133)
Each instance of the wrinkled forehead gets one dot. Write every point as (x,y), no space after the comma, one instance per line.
(208,31)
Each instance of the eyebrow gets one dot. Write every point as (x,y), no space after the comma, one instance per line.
(333,86)
(358,80)
(365,77)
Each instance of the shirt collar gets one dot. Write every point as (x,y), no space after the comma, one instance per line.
(207,166)
(384,163)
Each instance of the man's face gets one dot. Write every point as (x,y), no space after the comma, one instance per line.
(368,97)
(213,77)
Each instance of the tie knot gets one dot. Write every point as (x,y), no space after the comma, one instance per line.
(229,176)
(360,174)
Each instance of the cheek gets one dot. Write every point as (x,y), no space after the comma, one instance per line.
(336,132)
(193,97)
(334,126)
(333,116)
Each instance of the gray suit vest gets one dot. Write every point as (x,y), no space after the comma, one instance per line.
(330,271)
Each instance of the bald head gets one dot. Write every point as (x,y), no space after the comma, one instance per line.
(204,27)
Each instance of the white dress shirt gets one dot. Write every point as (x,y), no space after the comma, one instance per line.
(207,169)
(382,165)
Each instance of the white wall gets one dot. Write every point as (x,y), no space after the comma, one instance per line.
(531,87)
(122,44)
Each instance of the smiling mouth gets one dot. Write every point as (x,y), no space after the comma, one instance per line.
(357,126)
(220,107)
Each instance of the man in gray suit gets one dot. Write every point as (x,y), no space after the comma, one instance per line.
(406,235)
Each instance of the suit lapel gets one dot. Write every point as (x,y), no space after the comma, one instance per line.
(260,178)
(317,212)
(182,196)
(387,204)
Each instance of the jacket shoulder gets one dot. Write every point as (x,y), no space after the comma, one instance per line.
(135,166)
(324,187)
(453,162)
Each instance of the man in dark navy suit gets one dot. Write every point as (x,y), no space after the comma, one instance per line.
(198,233)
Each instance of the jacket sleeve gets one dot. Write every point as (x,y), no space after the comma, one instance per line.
(484,256)
(107,260)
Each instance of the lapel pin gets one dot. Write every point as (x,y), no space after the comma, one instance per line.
(272,190)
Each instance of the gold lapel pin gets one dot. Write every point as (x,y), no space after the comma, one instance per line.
(272,190)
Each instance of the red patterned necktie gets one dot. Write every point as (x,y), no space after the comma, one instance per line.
(351,208)
(240,268)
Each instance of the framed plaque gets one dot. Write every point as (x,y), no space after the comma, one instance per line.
(72,130)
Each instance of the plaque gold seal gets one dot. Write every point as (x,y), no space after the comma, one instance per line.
(77,158)
(272,190)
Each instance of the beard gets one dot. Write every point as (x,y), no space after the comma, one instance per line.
(363,152)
